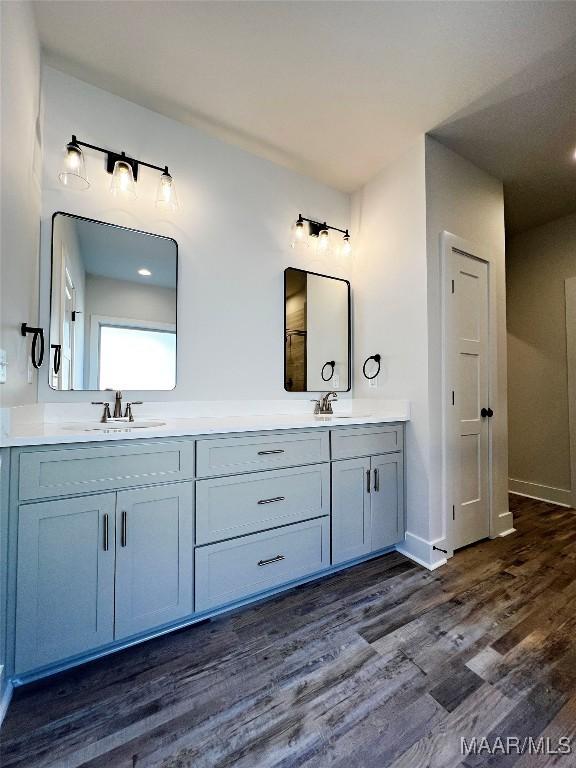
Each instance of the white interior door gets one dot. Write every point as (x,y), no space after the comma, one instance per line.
(468,348)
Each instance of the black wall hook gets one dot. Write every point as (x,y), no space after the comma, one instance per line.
(37,335)
(377,359)
(331,363)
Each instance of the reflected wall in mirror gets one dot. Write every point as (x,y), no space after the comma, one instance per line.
(316,332)
(112,307)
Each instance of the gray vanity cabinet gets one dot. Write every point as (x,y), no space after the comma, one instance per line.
(350,509)
(154,546)
(65,603)
(367,505)
(100,568)
(386,501)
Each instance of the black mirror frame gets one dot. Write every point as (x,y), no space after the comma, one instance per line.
(330,277)
(126,229)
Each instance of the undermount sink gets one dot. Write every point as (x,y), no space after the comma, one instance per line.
(114,425)
(328,416)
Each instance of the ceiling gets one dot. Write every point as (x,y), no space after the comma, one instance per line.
(337,90)
(524,132)
(118,253)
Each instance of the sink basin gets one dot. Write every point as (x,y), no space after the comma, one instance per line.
(329,416)
(114,425)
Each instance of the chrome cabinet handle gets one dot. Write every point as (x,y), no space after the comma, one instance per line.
(267,453)
(376,480)
(124,532)
(271,501)
(368,480)
(271,560)
(105,542)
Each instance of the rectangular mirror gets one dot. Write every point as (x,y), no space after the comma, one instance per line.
(316,332)
(112,307)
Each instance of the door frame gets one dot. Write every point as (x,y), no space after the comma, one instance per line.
(450,243)
(570,288)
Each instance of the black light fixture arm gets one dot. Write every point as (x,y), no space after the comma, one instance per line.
(320,225)
(114,156)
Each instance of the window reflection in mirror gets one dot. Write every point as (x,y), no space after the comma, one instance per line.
(316,332)
(113,307)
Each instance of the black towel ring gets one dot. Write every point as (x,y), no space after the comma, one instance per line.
(377,359)
(331,363)
(57,356)
(38,334)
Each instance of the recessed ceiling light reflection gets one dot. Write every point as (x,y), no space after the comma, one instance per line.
(144,272)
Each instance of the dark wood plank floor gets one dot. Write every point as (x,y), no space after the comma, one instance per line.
(385,664)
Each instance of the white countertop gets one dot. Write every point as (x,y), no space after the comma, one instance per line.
(24,433)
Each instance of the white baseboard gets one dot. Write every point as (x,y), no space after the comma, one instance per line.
(423,563)
(5,701)
(540,492)
(421,551)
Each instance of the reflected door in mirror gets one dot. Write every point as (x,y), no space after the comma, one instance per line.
(113,307)
(316,332)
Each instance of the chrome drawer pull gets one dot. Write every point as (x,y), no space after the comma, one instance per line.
(267,453)
(272,560)
(271,501)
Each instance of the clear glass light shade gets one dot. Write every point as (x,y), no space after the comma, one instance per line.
(346,248)
(166,197)
(298,238)
(123,180)
(73,171)
(323,241)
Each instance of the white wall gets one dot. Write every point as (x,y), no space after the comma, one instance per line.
(399,218)
(233,233)
(538,262)
(20,195)
(127,299)
(469,203)
(390,317)
(19,219)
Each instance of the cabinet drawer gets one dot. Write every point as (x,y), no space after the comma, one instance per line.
(234,506)
(68,471)
(362,441)
(232,455)
(231,570)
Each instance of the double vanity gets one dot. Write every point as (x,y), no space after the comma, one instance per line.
(117,536)
(128,522)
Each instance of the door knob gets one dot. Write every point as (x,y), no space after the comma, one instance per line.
(484,413)
(490,413)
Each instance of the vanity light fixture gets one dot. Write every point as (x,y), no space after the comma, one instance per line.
(320,231)
(166,197)
(124,172)
(73,171)
(123,180)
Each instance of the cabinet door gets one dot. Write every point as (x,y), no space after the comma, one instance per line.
(65,588)
(154,545)
(350,509)
(387,500)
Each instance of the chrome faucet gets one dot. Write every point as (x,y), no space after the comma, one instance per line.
(118,405)
(105,413)
(324,403)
